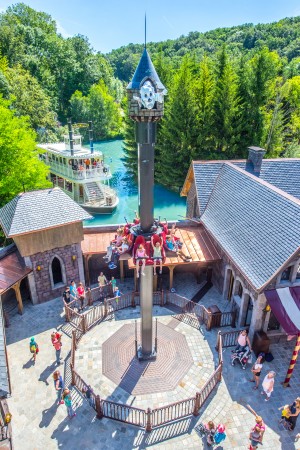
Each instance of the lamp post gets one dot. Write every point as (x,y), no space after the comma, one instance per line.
(146,103)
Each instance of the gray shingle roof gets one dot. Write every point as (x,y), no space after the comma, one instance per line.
(282,173)
(38,210)
(257,225)
(144,69)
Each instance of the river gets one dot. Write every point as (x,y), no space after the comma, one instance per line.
(167,204)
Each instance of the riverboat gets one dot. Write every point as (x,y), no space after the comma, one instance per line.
(81,173)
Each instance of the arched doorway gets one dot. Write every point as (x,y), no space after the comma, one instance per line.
(56,271)
(229,281)
(248,310)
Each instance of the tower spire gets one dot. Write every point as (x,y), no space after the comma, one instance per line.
(145,30)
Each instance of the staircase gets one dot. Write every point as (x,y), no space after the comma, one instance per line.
(93,191)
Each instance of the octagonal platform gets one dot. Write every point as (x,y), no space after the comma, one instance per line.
(105,359)
(120,365)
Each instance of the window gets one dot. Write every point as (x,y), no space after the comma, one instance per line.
(240,290)
(298,273)
(273,323)
(286,274)
(56,271)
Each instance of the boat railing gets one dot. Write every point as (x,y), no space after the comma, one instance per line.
(102,173)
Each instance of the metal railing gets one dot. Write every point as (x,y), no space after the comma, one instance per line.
(96,173)
(148,418)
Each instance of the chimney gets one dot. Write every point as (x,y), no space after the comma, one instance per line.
(255,156)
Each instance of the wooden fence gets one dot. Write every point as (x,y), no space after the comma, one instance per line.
(229,338)
(147,419)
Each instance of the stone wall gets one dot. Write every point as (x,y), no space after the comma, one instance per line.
(42,278)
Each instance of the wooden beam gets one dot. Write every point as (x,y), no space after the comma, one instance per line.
(171,269)
(121,269)
(86,269)
(16,288)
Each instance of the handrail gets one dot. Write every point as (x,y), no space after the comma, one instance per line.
(126,413)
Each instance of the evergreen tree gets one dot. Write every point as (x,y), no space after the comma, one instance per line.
(178,129)
(225,108)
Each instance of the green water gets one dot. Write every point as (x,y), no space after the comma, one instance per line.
(167,204)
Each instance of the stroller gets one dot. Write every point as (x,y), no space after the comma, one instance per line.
(242,356)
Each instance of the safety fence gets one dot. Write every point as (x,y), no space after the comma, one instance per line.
(148,418)
(229,338)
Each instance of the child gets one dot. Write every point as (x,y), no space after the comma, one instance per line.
(157,255)
(254,437)
(117,294)
(140,255)
(56,336)
(34,348)
(113,283)
(59,386)
(68,402)
(220,434)
(285,414)
(173,247)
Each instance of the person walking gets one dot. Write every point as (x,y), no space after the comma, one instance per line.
(34,348)
(256,370)
(268,385)
(294,413)
(57,345)
(243,341)
(255,437)
(67,399)
(59,386)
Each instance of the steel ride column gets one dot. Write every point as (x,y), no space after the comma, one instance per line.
(145,99)
(145,135)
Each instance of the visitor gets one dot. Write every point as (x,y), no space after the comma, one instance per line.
(56,342)
(174,248)
(117,294)
(285,414)
(34,348)
(87,163)
(81,295)
(268,385)
(220,434)
(102,280)
(118,241)
(140,255)
(113,283)
(256,370)
(59,386)
(295,411)
(260,423)
(243,341)
(66,396)
(67,295)
(157,255)
(120,250)
(87,391)
(210,432)
(73,290)
(55,335)
(255,437)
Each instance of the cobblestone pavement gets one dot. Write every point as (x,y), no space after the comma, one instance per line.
(38,424)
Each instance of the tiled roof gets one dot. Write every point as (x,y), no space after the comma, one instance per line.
(38,210)
(12,267)
(282,173)
(257,225)
(144,69)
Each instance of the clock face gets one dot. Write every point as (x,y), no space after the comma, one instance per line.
(148,96)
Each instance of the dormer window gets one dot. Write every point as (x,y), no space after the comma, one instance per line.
(286,275)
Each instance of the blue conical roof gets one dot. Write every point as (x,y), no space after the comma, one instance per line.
(145,69)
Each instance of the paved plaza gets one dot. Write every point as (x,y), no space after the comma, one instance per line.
(38,424)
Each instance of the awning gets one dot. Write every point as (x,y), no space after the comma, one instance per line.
(285,305)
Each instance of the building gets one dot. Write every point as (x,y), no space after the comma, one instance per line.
(46,226)
(251,210)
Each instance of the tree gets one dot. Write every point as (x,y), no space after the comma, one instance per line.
(225,107)
(178,136)
(20,167)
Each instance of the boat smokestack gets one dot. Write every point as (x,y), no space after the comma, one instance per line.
(71,136)
(91,136)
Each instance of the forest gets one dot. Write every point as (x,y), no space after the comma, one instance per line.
(227,89)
